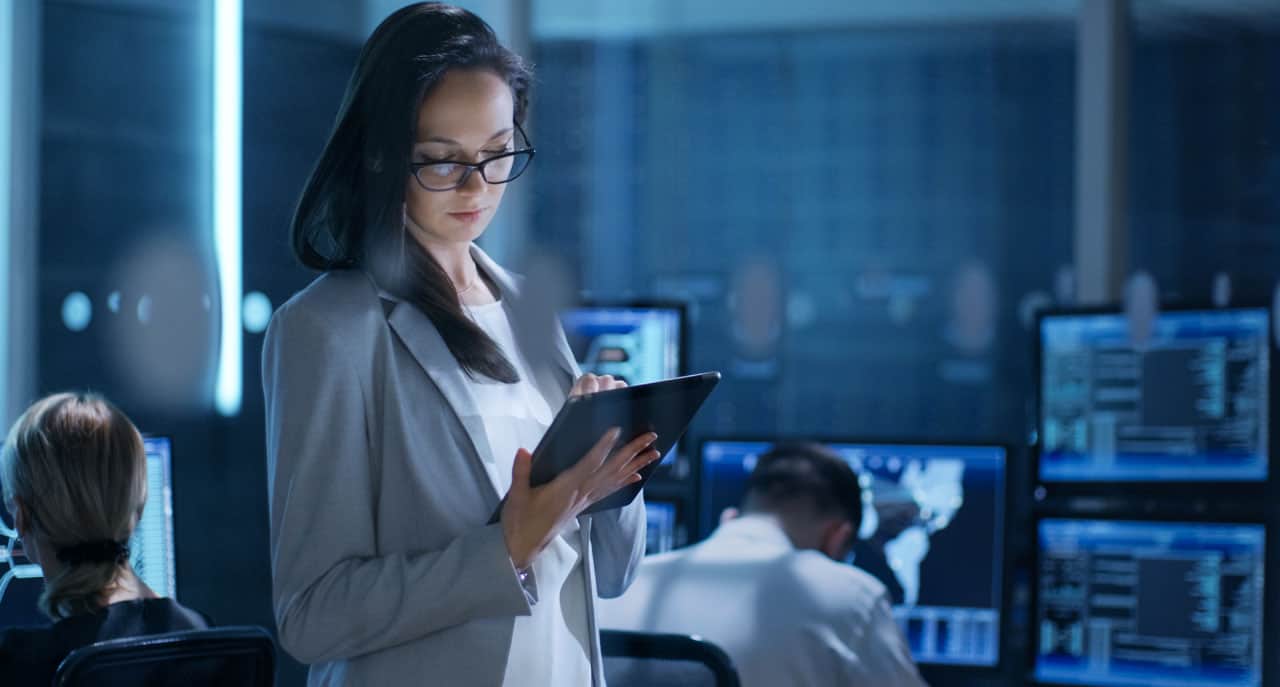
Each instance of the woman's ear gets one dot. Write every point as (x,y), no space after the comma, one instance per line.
(21,521)
(837,539)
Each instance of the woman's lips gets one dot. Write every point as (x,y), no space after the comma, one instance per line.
(467,215)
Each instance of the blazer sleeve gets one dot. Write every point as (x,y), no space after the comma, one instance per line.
(334,596)
(617,545)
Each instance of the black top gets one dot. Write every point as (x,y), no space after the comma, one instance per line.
(30,655)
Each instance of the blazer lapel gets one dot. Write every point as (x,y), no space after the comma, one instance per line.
(420,336)
(538,334)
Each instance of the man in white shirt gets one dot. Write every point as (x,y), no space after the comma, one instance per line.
(767,586)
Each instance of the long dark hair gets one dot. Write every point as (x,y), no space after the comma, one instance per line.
(350,214)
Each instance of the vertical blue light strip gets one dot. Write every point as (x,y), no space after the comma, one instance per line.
(227,92)
(8,63)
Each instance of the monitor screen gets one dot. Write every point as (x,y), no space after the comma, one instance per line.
(151,548)
(1150,603)
(637,344)
(931,532)
(1189,402)
(660,517)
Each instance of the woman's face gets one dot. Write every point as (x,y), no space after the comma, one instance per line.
(467,117)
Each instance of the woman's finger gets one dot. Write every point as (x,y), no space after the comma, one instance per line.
(640,461)
(626,453)
(591,462)
(604,483)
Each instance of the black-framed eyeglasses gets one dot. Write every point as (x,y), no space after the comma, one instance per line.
(446,175)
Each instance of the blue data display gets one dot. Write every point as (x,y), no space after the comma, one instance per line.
(151,547)
(660,532)
(1188,403)
(931,532)
(1145,604)
(637,345)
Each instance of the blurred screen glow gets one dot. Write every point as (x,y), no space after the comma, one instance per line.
(6,164)
(227,54)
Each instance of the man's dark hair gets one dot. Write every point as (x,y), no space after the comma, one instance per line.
(804,475)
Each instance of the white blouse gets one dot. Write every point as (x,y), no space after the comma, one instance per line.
(552,646)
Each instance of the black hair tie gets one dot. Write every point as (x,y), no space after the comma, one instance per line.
(103,551)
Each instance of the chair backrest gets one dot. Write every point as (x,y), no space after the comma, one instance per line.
(639,658)
(225,656)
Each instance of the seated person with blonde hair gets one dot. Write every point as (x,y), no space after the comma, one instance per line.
(75,480)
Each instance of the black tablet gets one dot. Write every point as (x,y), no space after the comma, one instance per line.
(665,408)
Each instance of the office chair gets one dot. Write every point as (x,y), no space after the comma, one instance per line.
(220,657)
(633,659)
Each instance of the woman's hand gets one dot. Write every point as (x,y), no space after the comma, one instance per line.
(590,384)
(532,516)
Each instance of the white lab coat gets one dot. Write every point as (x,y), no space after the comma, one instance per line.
(785,617)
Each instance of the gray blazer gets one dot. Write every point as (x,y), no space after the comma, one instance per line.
(384,570)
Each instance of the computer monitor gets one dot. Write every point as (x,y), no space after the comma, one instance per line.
(932,532)
(637,343)
(1189,402)
(150,549)
(660,517)
(1149,603)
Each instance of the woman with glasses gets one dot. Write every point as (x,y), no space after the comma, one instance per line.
(404,385)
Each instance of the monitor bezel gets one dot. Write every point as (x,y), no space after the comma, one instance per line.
(1117,494)
(1003,540)
(1270,660)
